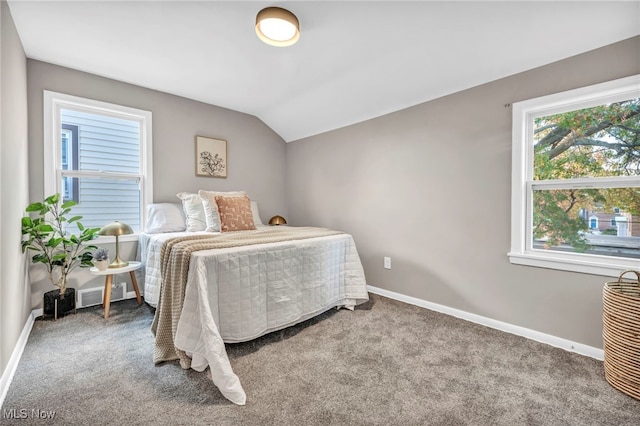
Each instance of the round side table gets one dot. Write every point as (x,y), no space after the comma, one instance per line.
(108,274)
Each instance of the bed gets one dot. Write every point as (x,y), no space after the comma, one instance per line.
(235,292)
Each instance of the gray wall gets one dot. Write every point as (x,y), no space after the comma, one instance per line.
(14,285)
(429,186)
(256,155)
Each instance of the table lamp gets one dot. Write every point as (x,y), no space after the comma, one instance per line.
(277,220)
(115,229)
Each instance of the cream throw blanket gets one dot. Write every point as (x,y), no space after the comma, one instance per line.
(175,258)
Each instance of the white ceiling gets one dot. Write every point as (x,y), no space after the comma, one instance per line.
(355,60)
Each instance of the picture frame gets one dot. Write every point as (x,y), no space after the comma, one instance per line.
(211,157)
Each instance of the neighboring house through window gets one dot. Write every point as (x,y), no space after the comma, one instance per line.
(69,146)
(574,153)
(99,155)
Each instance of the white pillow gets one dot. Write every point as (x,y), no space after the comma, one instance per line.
(164,217)
(256,213)
(194,211)
(211,207)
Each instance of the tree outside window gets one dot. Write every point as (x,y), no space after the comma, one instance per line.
(602,141)
(576,179)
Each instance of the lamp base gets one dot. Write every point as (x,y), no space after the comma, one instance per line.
(118,263)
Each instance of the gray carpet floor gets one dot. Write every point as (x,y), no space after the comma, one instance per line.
(385,363)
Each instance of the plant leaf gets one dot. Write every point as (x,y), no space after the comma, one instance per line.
(52,199)
(45,228)
(54,242)
(68,204)
(73,219)
(35,207)
(39,258)
(60,256)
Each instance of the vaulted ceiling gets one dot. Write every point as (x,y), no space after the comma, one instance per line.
(355,60)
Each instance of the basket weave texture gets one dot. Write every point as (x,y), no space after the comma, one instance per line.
(621,334)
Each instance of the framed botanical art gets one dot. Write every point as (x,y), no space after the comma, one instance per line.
(211,157)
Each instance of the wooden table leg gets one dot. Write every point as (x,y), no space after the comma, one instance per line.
(135,286)
(104,293)
(107,295)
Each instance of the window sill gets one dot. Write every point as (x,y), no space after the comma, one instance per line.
(104,239)
(586,264)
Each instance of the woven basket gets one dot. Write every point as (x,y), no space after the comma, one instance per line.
(621,334)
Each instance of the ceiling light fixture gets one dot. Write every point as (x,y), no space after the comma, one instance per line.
(277,27)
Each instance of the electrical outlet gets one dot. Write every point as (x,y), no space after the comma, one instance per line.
(387,263)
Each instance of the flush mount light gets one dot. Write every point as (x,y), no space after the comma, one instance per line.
(277,26)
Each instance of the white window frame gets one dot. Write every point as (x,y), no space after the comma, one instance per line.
(522,183)
(53,104)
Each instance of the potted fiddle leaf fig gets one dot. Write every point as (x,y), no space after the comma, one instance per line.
(46,233)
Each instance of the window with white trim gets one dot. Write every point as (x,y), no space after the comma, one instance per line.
(576,162)
(98,154)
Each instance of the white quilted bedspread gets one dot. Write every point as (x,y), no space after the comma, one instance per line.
(238,294)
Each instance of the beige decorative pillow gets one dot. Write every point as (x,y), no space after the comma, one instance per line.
(211,209)
(235,213)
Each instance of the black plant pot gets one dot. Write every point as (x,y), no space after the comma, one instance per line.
(56,306)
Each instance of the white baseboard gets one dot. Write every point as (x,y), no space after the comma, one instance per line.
(132,295)
(7,375)
(548,339)
(9,371)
